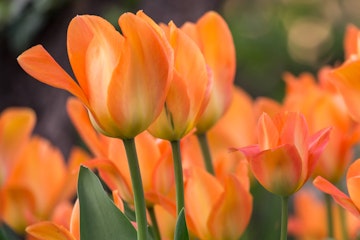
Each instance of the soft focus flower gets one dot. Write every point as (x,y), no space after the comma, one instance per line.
(352,202)
(286,154)
(114,72)
(215,209)
(309,219)
(189,90)
(322,107)
(213,36)
(38,181)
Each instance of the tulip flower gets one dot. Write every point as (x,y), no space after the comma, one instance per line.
(222,210)
(213,36)
(352,202)
(112,70)
(285,156)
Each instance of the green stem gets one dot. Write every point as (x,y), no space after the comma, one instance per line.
(284,217)
(202,138)
(139,198)
(330,217)
(343,223)
(155,226)
(179,183)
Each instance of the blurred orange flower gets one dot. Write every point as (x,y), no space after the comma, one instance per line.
(112,71)
(213,36)
(286,154)
(350,203)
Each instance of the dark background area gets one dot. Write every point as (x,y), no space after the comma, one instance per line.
(270,37)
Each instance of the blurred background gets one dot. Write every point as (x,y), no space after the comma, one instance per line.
(271,37)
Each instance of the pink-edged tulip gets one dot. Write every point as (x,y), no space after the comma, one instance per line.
(213,36)
(114,72)
(189,90)
(323,106)
(309,219)
(214,209)
(286,154)
(352,202)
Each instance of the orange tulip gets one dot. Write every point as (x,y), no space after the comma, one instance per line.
(214,209)
(114,72)
(213,36)
(346,77)
(323,106)
(350,203)
(309,219)
(189,91)
(286,154)
(16,125)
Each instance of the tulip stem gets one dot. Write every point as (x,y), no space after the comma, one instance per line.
(139,198)
(202,138)
(330,216)
(179,182)
(343,223)
(154,224)
(284,217)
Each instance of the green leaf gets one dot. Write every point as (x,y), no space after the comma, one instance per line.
(99,217)
(181,232)
(6,233)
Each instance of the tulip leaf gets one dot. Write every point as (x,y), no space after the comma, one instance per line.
(6,233)
(99,217)
(181,232)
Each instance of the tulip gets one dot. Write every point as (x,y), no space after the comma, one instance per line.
(222,210)
(213,36)
(112,71)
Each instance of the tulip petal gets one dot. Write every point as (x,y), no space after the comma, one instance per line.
(38,63)
(341,198)
(232,212)
(346,78)
(49,230)
(268,133)
(147,65)
(278,170)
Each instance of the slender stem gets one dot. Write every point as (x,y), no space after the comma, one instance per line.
(202,138)
(155,226)
(139,198)
(330,217)
(179,183)
(284,217)
(343,223)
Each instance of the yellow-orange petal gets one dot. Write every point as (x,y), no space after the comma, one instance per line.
(38,63)
(268,133)
(346,79)
(278,170)
(231,214)
(351,41)
(341,198)
(48,230)
(147,65)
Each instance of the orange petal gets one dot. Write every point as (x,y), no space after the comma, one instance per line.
(351,41)
(278,170)
(231,214)
(38,63)
(268,133)
(205,190)
(341,198)
(147,65)
(16,125)
(346,78)
(49,230)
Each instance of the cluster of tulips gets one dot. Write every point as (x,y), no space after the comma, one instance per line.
(175,143)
